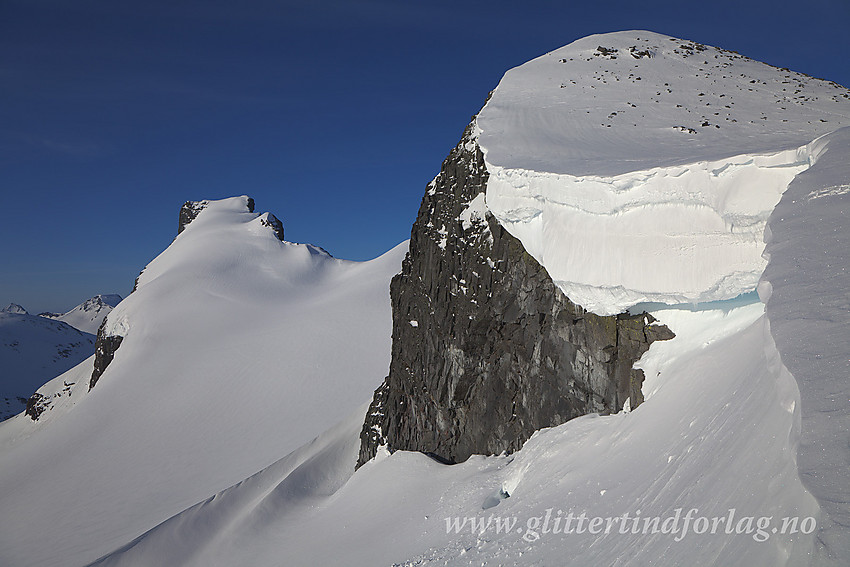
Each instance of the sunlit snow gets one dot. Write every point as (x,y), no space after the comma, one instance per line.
(644,172)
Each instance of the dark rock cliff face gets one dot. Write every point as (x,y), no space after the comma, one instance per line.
(188,212)
(104,352)
(36,405)
(486,349)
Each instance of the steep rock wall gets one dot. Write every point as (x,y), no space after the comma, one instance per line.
(104,351)
(486,349)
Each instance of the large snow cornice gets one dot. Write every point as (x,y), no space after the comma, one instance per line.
(637,167)
(628,101)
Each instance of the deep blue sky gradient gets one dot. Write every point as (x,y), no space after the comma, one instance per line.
(333,115)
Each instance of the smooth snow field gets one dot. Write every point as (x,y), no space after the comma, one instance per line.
(723,417)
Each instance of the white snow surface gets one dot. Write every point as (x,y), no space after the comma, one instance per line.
(234,346)
(806,287)
(717,434)
(88,315)
(237,349)
(649,177)
(721,425)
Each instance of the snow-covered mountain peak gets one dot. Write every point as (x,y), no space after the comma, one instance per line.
(637,167)
(88,315)
(226,232)
(14,308)
(272,222)
(613,103)
(231,334)
(101,300)
(191,210)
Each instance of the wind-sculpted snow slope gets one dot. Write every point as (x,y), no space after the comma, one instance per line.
(638,167)
(639,170)
(236,349)
(638,203)
(806,287)
(722,418)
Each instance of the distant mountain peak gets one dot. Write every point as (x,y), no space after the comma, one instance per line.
(14,308)
(100,300)
(88,315)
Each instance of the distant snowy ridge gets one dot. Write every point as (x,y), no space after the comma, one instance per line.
(34,350)
(88,315)
(589,169)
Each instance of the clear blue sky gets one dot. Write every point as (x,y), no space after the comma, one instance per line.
(333,114)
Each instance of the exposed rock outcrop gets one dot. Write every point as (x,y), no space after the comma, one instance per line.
(188,212)
(486,349)
(104,351)
(271,221)
(36,405)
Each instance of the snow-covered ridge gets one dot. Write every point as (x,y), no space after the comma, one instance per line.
(636,167)
(241,348)
(88,315)
(237,349)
